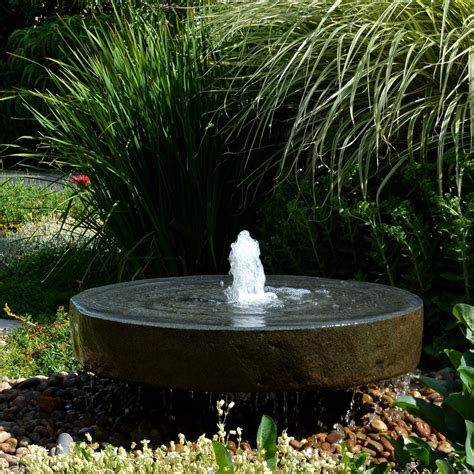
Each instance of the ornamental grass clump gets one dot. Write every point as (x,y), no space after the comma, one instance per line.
(353,86)
(135,112)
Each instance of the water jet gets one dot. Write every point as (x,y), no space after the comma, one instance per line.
(185,333)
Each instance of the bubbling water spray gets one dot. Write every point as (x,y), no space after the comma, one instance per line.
(248,286)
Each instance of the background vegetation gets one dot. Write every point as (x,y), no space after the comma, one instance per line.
(340,133)
(366,112)
(39,349)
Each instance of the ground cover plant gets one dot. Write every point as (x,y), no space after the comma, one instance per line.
(37,349)
(22,203)
(454,418)
(204,455)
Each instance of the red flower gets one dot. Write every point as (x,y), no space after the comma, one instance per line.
(81,179)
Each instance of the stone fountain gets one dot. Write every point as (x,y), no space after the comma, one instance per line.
(285,333)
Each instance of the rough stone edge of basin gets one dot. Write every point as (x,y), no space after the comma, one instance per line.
(329,358)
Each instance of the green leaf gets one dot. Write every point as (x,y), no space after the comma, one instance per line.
(444,467)
(454,357)
(422,452)
(466,370)
(465,314)
(470,443)
(462,404)
(419,452)
(266,439)
(402,456)
(87,455)
(381,468)
(361,460)
(223,458)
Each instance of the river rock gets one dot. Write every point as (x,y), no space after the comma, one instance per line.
(107,410)
(422,429)
(295,444)
(49,404)
(379,426)
(22,451)
(64,442)
(445,447)
(375,445)
(7,448)
(386,444)
(335,437)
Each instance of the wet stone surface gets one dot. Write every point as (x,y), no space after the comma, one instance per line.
(40,409)
(319,334)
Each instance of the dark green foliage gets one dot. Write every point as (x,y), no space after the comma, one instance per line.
(416,449)
(412,237)
(33,35)
(32,50)
(35,349)
(18,14)
(455,417)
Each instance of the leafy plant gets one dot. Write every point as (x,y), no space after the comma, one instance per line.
(36,348)
(266,443)
(135,113)
(455,417)
(411,238)
(30,51)
(223,458)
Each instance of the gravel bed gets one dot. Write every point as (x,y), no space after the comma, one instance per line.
(39,409)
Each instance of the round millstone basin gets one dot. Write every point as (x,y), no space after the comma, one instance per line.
(182,333)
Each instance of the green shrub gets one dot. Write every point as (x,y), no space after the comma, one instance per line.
(31,50)
(412,238)
(35,349)
(30,41)
(454,418)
